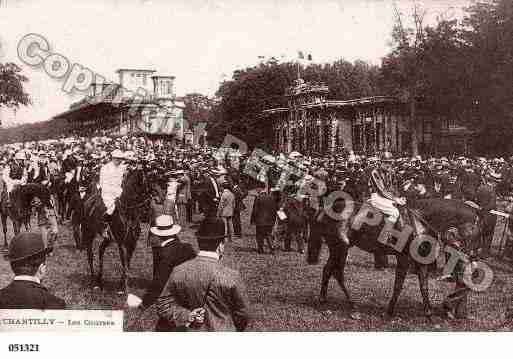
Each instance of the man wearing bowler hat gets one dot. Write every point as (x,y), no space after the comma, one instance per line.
(202,294)
(27,256)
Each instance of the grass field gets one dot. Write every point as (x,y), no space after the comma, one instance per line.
(283,290)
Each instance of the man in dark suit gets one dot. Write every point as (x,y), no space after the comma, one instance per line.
(211,193)
(240,192)
(202,294)
(77,213)
(27,255)
(168,252)
(263,217)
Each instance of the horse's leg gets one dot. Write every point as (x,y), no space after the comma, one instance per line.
(424,289)
(403,264)
(16,224)
(4,227)
(105,242)
(124,260)
(130,249)
(339,267)
(327,272)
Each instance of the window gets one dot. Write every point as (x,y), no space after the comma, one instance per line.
(144,79)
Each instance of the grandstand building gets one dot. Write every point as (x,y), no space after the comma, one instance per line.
(141,102)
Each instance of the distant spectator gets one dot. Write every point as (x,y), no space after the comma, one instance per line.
(226,208)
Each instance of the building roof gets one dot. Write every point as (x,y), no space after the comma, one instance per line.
(332,103)
(163,77)
(136,70)
(92,104)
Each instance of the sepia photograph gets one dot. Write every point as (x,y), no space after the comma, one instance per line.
(255,166)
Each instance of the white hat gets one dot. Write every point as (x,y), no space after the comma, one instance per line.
(219,171)
(20,156)
(165,226)
(117,154)
(130,155)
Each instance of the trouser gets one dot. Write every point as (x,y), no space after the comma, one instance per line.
(190,207)
(171,209)
(264,233)
(47,221)
(77,235)
(228,227)
(296,235)
(237,227)
(156,261)
(181,213)
(386,206)
(489,222)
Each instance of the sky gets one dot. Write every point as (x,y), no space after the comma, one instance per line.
(201,42)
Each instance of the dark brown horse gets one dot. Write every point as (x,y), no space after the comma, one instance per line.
(125,226)
(21,204)
(439,215)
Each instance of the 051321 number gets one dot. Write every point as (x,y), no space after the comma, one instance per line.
(23,347)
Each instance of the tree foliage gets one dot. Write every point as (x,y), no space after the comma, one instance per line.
(12,93)
(198,108)
(255,89)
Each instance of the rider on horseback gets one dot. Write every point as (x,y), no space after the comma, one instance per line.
(111,179)
(15,174)
(382,197)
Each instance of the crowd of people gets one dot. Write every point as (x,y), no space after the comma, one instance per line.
(189,287)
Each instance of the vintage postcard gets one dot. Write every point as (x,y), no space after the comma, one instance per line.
(255,166)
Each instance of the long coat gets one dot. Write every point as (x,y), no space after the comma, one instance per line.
(204,282)
(264,210)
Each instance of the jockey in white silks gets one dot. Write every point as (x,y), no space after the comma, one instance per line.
(382,197)
(15,173)
(111,178)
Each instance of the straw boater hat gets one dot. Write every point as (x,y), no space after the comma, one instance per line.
(165,226)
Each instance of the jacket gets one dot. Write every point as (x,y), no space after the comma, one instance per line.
(24,294)
(226,204)
(171,254)
(204,282)
(264,210)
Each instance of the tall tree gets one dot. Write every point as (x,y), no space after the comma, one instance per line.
(198,108)
(488,31)
(12,93)
(402,68)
